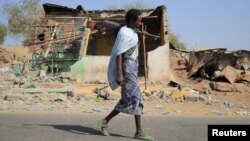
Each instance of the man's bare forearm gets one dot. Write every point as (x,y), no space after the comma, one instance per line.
(119,67)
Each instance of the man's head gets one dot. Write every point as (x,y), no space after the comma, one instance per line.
(133,18)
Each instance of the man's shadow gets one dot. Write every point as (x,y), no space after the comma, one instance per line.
(77,129)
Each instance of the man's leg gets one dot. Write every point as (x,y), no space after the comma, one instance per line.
(139,133)
(138,123)
(103,124)
(111,115)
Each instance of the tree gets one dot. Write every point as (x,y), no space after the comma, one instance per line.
(23,15)
(175,40)
(3,32)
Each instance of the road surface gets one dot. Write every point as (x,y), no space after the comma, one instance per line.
(82,127)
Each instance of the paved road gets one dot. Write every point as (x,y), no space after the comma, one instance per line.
(82,127)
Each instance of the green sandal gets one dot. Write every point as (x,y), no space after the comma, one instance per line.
(104,127)
(143,136)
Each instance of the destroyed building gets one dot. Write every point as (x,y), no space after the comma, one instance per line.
(81,41)
(215,64)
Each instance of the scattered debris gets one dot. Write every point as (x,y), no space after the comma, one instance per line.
(242,113)
(217,112)
(158,106)
(203,87)
(47,90)
(165,95)
(228,104)
(195,98)
(61,97)
(179,94)
(13,97)
(102,93)
(167,113)
(222,86)
(19,80)
(147,93)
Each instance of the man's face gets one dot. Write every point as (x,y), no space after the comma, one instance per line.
(137,23)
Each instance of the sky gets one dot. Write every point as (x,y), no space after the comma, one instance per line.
(198,23)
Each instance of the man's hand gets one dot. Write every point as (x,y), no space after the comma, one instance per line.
(144,32)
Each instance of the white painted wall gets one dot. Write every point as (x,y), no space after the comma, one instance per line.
(158,64)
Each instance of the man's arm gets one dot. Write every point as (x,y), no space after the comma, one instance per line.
(119,67)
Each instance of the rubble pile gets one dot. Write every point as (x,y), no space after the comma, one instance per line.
(213,69)
(21,93)
(184,94)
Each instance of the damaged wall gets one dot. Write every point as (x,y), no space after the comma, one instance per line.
(157,52)
(158,62)
(158,59)
(95,68)
(101,45)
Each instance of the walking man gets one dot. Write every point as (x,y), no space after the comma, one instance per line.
(123,71)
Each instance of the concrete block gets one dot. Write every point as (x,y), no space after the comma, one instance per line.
(14,97)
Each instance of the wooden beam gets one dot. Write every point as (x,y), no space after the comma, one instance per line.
(145,56)
(58,41)
(99,18)
(48,49)
(63,17)
(110,18)
(87,41)
(68,24)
